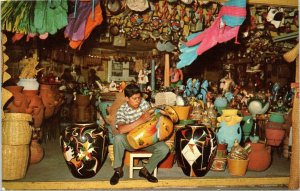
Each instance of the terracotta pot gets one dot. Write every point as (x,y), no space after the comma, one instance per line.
(19,103)
(195,147)
(82,109)
(168,162)
(237,167)
(49,100)
(36,152)
(274,136)
(85,147)
(36,105)
(259,157)
(52,99)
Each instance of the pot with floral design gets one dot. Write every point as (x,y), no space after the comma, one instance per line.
(85,147)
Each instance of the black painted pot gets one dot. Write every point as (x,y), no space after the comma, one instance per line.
(85,147)
(196,147)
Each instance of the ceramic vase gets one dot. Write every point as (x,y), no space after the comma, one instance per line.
(195,147)
(230,129)
(19,103)
(259,157)
(247,126)
(84,147)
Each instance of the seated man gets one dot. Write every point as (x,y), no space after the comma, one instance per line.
(131,114)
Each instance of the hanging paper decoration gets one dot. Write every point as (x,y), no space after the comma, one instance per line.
(89,16)
(225,27)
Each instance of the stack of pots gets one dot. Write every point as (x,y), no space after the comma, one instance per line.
(16,137)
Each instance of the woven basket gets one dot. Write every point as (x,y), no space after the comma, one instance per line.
(14,161)
(16,129)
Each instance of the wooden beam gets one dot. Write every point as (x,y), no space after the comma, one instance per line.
(167,70)
(190,183)
(281,3)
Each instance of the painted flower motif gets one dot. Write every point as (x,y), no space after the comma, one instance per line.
(85,151)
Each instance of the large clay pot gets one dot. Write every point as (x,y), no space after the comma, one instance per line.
(82,109)
(259,157)
(19,103)
(195,147)
(230,129)
(36,105)
(85,147)
(158,128)
(36,152)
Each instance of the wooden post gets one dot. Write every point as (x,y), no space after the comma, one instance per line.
(153,74)
(167,71)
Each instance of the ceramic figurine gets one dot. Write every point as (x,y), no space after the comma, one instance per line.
(230,129)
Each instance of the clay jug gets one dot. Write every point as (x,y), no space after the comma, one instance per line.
(259,157)
(19,103)
(36,152)
(36,105)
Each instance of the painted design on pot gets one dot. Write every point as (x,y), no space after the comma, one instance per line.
(158,128)
(85,147)
(230,129)
(196,147)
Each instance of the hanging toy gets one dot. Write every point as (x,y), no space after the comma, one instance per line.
(224,28)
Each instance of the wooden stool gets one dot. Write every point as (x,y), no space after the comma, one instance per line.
(138,154)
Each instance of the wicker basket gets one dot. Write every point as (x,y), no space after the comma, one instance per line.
(14,161)
(16,129)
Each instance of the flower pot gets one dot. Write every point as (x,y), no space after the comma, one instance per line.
(276,117)
(84,146)
(259,157)
(195,147)
(182,111)
(237,167)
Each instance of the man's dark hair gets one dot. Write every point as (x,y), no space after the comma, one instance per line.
(131,89)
